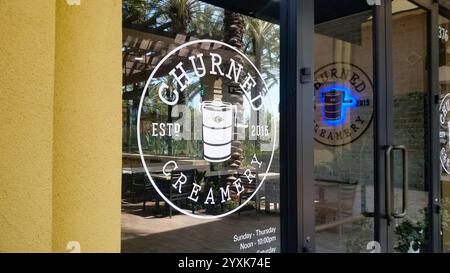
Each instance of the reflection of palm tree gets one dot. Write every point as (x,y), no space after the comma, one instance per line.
(233,28)
(260,40)
(179,13)
(263,44)
(207,22)
(137,11)
(160,15)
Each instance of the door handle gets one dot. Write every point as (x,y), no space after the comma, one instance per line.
(404,150)
(389,189)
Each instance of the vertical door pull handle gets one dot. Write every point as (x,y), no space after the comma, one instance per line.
(390,214)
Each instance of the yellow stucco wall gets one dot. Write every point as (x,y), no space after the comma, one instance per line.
(26,124)
(88,138)
(60,116)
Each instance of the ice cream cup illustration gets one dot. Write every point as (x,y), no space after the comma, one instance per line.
(217,130)
(333,101)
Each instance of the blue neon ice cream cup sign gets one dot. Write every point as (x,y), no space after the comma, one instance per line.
(343,103)
(335,102)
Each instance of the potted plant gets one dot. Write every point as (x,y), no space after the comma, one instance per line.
(410,236)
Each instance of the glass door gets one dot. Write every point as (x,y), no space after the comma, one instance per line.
(407,195)
(373,155)
(343,127)
(407,156)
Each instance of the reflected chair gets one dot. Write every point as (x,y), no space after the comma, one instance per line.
(173,193)
(340,210)
(140,184)
(126,185)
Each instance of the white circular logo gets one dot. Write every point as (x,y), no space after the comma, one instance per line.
(207,113)
(444,155)
(343,108)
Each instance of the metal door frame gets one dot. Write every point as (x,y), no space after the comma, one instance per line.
(296,125)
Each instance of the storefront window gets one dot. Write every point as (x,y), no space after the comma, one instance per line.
(200,136)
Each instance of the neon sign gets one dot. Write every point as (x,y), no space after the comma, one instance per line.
(343,103)
(335,101)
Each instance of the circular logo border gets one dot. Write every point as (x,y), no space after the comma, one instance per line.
(448,137)
(139,129)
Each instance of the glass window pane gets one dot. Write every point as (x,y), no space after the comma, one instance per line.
(200,105)
(343,150)
(410,94)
